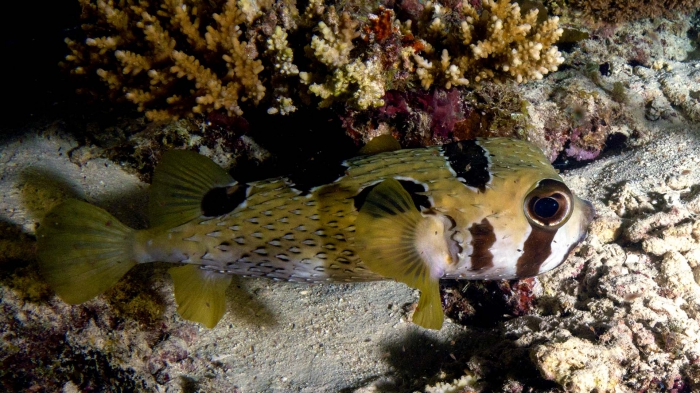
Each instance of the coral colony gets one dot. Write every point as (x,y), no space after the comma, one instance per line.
(180,57)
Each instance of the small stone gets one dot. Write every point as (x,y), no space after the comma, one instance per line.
(678,182)
(579,365)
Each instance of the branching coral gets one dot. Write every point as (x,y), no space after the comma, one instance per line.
(277,46)
(332,51)
(496,43)
(178,57)
(136,53)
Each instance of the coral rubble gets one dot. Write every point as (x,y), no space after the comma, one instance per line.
(626,10)
(681,86)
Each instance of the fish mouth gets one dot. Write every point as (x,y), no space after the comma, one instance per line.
(588,210)
(588,213)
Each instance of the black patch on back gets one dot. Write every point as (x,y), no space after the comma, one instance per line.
(411,187)
(470,162)
(314,174)
(221,200)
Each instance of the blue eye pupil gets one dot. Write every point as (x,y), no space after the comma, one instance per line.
(546,207)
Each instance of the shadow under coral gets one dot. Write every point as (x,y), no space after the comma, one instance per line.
(420,358)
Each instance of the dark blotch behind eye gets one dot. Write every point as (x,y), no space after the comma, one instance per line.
(546,207)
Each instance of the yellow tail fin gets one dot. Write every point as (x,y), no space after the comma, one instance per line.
(83,250)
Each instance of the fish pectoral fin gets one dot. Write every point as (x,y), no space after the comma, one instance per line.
(380,144)
(396,241)
(200,294)
(180,182)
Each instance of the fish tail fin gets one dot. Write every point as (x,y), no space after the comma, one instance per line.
(396,241)
(83,251)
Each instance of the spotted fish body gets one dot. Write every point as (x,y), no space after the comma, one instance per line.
(464,210)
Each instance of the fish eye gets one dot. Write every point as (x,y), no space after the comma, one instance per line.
(546,207)
(549,205)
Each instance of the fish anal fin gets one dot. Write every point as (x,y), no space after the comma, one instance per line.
(429,314)
(396,241)
(180,182)
(200,294)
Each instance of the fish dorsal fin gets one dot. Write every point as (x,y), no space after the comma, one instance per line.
(380,144)
(179,184)
(200,294)
(396,241)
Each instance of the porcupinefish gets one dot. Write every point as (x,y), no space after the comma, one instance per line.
(482,209)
